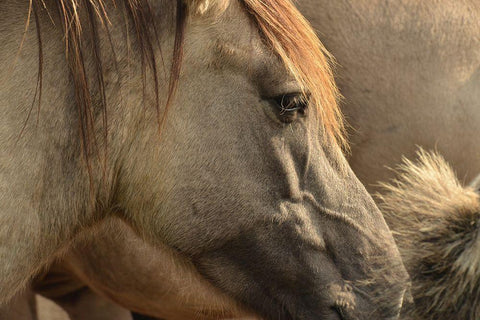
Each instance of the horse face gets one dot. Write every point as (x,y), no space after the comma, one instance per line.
(245,184)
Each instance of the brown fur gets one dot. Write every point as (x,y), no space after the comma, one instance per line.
(22,307)
(435,221)
(177,291)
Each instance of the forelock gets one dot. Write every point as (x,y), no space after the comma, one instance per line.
(295,41)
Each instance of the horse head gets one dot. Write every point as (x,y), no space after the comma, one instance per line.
(245,177)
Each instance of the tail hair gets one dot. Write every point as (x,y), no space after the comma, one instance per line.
(436,223)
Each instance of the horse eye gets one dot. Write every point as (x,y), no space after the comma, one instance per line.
(291,104)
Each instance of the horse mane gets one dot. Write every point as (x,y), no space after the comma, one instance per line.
(281,24)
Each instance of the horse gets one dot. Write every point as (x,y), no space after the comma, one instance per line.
(410,40)
(222,146)
(408,73)
(140,280)
(435,220)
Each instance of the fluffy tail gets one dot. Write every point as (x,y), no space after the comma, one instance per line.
(436,224)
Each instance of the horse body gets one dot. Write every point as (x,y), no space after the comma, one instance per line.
(410,75)
(228,185)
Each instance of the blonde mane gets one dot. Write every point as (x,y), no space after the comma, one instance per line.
(279,21)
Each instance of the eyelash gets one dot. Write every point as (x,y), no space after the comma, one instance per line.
(290,105)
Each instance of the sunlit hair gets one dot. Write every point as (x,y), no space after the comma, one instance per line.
(436,223)
(296,43)
(283,27)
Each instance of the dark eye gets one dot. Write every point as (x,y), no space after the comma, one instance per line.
(291,105)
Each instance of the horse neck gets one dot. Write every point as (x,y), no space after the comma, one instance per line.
(45,186)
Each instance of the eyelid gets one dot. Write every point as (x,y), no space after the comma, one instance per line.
(275,90)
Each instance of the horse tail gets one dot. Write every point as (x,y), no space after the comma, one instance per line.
(436,223)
